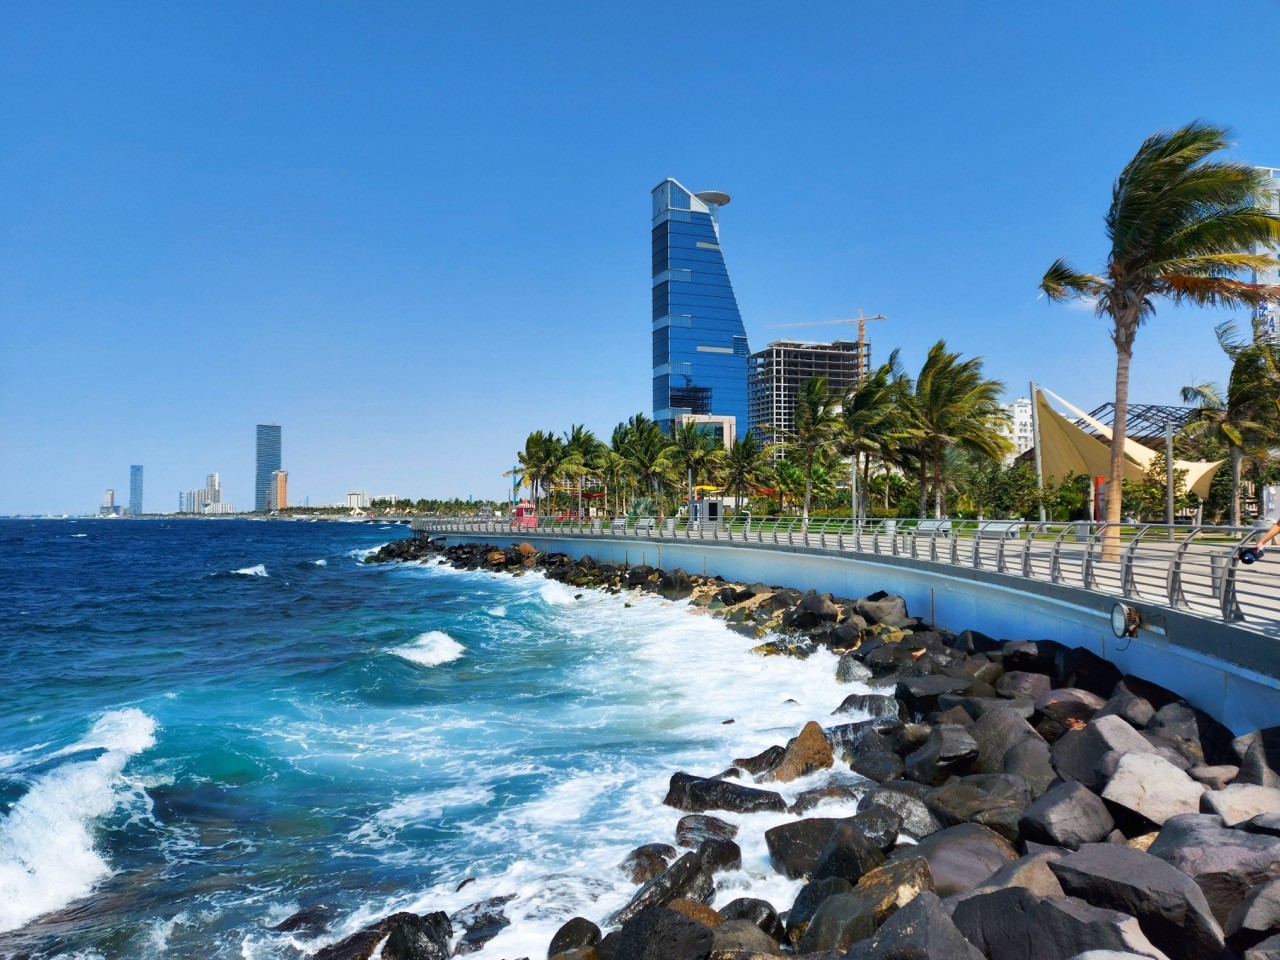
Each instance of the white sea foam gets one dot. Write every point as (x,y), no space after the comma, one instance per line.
(78,535)
(430,649)
(498,611)
(321,562)
(416,808)
(257,570)
(47,856)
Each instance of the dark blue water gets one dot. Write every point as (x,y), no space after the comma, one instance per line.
(207,725)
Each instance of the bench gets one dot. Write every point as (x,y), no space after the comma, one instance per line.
(999,529)
(619,524)
(645,525)
(934,527)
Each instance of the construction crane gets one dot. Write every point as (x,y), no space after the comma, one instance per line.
(860,320)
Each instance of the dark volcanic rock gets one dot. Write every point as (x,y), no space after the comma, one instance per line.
(813,610)
(1078,754)
(848,854)
(480,923)
(838,923)
(696,827)
(961,857)
(1256,917)
(872,705)
(881,607)
(1030,872)
(995,800)
(920,694)
(1258,754)
(949,751)
(852,670)
(644,863)
(408,937)
(720,855)
(815,796)
(742,938)
(1130,707)
(675,584)
(1068,815)
(1015,924)
(1086,670)
(917,819)
(1147,790)
(759,912)
(1070,704)
(872,756)
(662,934)
(1018,683)
(920,930)
(893,885)
(1170,908)
(576,933)
(878,824)
(796,848)
(689,878)
(762,762)
(807,902)
(1224,863)
(1031,656)
(309,920)
(699,794)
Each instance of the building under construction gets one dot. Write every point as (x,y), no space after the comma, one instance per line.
(776,373)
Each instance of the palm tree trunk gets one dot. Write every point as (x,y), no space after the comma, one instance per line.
(937,487)
(924,487)
(1237,457)
(1124,334)
(808,489)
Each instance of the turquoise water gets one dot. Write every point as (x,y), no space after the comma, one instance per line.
(208,725)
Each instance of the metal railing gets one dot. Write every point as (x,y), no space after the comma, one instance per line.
(1192,568)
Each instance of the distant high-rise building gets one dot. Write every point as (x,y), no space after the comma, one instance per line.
(268,463)
(699,343)
(280,490)
(213,488)
(357,500)
(1019,428)
(1267,316)
(108,503)
(779,370)
(135,489)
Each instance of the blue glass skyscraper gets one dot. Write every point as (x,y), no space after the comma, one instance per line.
(699,343)
(268,464)
(135,489)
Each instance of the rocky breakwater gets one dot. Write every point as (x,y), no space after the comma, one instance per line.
(1012,800)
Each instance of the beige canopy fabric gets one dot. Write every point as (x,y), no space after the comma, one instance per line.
(1067,448)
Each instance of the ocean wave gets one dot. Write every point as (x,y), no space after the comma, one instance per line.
(320,563)
(257,570)
(430,649)
(498,611)
(416,808)
(47,855)
(76,536)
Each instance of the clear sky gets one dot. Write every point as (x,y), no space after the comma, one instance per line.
(410,233)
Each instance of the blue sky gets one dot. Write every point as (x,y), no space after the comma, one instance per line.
(411,233)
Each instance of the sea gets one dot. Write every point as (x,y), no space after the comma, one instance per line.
(209,725)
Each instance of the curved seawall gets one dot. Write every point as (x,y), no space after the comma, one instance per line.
(1227,671)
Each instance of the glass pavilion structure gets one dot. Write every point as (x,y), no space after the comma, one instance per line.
(699,343)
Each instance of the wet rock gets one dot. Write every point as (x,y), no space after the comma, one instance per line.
(1240,802)
(700,794)
(961,857)
(920,930)
(694,910)
(742,938)
(813,610)
(696,827)
(1147,790)
(920,694)
(1068,815)
(878,824)
(1224,863)
(762,762)
(892,886)
(1069,704)
(675,585)
(644,863)
(847,735)
(850,669)
(480,923)
(949,751)
(573,935)
(720,855)
(848,854)
(804,754)
(917,820)
(1256,917)
(1019,683)
(1215,778)
(1170,908)
(407,935)
(688,878)
(871,705)
(871,755)
(1015,924)
(836,792)
(1258,754)
(881,607)
(659,933)
(309,921)
(796,848)
(759,912)
(995,800)
(838,922)
(806,904)
(1078,754)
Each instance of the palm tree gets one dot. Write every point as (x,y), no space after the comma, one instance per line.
(694,455)
(953,404)
(581,452)
(1183,227)
(746,467)
(1244,417)
(817,430)
(870,414)
(647,452)
(540,461)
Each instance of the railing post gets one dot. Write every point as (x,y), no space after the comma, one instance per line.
(1128,586)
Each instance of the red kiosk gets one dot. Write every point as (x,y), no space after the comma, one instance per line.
(524,516)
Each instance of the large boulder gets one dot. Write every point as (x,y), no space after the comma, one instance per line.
(1015,924)
(1078,667)
(812,611)
(1268,949)
(1146,790)
(995,800)
(1033,656)
(850,669)
(1030,872)
(960,857)
(919,695)
(796,848)
(807,902)
(1224,863)
(479,923)
(892,886)
(1258,754)
(720,855)
(878,824)
(696,827)
(414,937)
(645,862)
(659,933)
(1030,759)
(948,751)
(1068,815)
(689,878)
(1256,917)
(838,922)
(848,854)
(1069,705)
(917,820)
(871,705)
(675,585)
(1019,683)
(1239,802)
(886,608)
(920,930)
(805,753)
(1079,754)
(759,912)
(700,794)
(742,938)
(871,755)
(762,762)
(996,732)
(1196,735)
(1128,706)
(1170,908)
(574,935)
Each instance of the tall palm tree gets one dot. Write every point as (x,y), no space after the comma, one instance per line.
(871,418)
(746,467)
(817,430)
(1183,227)
(540,461)
(953,404)
(647,453)
(694,456)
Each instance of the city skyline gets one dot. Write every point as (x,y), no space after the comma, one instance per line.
(878,159)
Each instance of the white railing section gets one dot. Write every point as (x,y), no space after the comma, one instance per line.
(1193,568)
